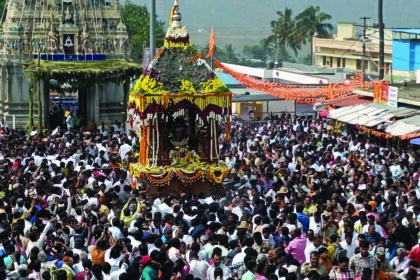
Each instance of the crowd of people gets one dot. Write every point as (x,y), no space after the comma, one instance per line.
(305,198)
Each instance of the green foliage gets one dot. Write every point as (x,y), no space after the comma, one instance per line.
(307,59)
(227,54)
(137,21)
(179,70)
(311,21)
(285,33)
(255,52)
(265,52)
(291,33)
(3,4)
(81,74)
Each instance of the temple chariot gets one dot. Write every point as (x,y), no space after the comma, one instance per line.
(180,110)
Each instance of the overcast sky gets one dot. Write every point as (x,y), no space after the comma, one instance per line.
(244,22)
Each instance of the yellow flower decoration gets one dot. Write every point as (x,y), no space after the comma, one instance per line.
(147,85)
(213,86)
(187,87)
(137,86)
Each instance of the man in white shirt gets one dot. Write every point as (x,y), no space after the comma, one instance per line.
(124,149)
(314,246)
(348,244)
(198,268)
(115,230)
(217,262)
(240,208)
(371,222)
(173,252)
(315,223)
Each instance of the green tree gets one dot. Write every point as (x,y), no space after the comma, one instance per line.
(227,54)
(311,22)
(137,21)
(284,33)
(266,52)
(3,4)
(255,52)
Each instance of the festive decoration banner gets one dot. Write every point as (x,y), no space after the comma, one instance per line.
(299,93)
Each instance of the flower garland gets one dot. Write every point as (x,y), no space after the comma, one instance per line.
(143,146)
(387,135)
(164,176)
(298,93)
(163,181)
(217,179)
(188,178)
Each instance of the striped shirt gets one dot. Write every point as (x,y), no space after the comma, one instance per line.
(337,275)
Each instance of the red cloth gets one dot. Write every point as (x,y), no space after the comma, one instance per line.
(415,253)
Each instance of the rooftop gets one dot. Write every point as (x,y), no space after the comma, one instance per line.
(407,30)
(238,95)
(407,95)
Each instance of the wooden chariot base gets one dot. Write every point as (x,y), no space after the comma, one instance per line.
(195,178)
(177,186)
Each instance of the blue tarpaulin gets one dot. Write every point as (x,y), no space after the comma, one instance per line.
(415,141)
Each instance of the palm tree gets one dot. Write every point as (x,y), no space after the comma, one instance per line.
(311,21)
(284,33)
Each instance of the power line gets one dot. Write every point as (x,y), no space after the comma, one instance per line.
(364,43)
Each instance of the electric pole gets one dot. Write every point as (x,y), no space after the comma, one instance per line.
(152,29)
(364,43)
(381,40)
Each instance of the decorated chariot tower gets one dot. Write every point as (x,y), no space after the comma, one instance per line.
(180,109)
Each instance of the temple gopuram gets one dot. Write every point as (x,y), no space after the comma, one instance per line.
(51,43)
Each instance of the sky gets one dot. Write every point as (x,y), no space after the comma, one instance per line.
(246,22)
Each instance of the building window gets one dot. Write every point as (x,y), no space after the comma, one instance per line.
(344,63)
(338,62)
(358,64)
(331,62)
(324,60)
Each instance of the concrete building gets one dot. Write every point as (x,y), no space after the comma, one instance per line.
(406,53)
(345,49)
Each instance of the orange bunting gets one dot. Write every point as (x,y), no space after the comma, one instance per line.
(387,135)
(296,92)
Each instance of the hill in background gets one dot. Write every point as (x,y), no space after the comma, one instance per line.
(246,22)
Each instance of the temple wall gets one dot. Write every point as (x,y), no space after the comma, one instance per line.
(103,102)
(111,103)
(14,97)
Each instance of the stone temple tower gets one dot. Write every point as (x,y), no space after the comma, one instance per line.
(60,30)
(63,26)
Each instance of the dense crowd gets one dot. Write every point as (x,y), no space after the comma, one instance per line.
(305,198)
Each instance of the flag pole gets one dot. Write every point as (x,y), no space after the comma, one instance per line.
(212,46)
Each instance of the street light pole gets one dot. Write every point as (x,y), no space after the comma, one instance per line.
(381,40)
(364,43)
(152,29)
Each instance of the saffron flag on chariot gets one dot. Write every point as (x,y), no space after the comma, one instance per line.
(212,43)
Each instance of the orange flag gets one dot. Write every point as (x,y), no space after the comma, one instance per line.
(212,43)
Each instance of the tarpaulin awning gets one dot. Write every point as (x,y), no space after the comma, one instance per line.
(348,101)
(404,126)
(337,113)
(370,115)
(415,141)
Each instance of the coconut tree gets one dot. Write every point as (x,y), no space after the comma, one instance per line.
(312,21)
(284,33)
